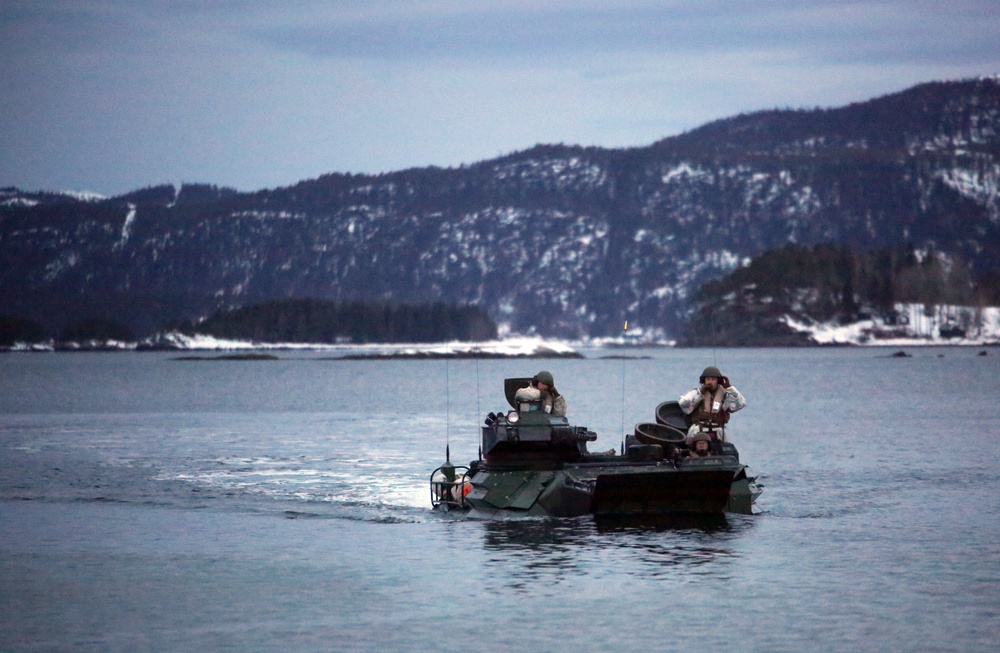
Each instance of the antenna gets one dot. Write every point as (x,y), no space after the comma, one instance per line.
(447,399)
(478,410)
(624,332)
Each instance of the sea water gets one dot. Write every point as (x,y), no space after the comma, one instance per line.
(150,503)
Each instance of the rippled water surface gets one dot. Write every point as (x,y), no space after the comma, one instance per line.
(148,503)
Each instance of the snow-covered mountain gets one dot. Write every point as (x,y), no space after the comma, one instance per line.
(556,240)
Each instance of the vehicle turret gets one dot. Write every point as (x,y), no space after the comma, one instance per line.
(527,435)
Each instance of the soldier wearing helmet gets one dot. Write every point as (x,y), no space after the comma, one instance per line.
(543,388)
(711,404)
(701,446)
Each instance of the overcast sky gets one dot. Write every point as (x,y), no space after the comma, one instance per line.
(110,96)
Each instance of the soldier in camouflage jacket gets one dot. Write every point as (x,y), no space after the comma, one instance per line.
(711,404)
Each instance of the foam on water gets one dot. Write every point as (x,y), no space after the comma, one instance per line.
(346,483)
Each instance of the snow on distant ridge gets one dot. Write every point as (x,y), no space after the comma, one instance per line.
(84,195)
(17,197)
(515,346)
(962,325)
(18,201)
(176,340)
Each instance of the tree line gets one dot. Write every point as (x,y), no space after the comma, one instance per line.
(828,283)
(319,321)
(15,329)
(308,321)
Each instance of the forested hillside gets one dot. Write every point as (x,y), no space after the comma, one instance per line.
(557,240)
(826,283)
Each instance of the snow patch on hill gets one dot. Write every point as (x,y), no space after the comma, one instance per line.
(913,325)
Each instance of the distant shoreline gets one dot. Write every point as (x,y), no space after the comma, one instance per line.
(460,354)
(259,351)
(365,357)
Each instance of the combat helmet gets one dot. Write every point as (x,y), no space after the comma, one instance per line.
(710,371)
(545,377)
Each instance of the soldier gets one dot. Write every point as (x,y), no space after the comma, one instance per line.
(711,404)
(701,446)
(543,388)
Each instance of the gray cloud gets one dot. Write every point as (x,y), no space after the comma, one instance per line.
(843,30)
(109,95)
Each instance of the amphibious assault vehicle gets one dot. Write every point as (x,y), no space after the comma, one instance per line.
(535,464)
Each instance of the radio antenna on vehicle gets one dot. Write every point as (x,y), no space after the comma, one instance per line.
(478,411)
(624,334)
(447,399)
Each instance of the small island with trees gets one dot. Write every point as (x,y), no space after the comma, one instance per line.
(292,321)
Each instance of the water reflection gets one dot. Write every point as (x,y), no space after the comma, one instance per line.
(539,555)
(623,523)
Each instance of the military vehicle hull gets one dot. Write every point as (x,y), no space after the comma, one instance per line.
(600,488)
(609,488)
(534,464)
